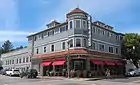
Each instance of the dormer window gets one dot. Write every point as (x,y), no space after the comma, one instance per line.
(56,30)
(62,29)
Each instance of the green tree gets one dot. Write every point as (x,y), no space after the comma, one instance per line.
(131,47)
(1,50)
(7,46)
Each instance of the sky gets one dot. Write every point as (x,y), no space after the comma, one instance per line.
(20,18)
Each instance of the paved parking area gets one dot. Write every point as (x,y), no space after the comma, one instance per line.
(6,80)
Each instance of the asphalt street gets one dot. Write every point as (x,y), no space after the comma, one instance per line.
(6,80)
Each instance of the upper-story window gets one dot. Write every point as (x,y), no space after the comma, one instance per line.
(117,38)
(62,29)
(77,22)
(35,37)
(121,37)
(30,38)
(12,61)
(93,45)
(6,62)
(94,29)
(66,27)
(52,32)
(37,51)
(56,30)
(111,49)
(24,60)
(63,45)
(70,43)
(52,47)
(102,32)
(48,33)
(71,24)
(84,24)
(117,50)
(20,60)
(99,31)
(44,49)
(85,43)
(109,34)
(45,34)
(27,59)
(42,36)
(101,47)
(17,61)
(78,42)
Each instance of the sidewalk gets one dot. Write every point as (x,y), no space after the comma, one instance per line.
(64,78)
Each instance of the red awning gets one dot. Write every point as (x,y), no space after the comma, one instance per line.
(118,63)
(58,62)
(107,62)
(97,61)
(47,63)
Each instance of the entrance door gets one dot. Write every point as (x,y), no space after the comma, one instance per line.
(79,64)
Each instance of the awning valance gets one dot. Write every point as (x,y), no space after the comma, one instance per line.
(46,63)
(97,61)
(58,62)
(118,63)
(107,62)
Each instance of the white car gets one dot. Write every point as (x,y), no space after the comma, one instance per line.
(13,72)
(133,72)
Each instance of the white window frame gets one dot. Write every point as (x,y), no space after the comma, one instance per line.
(43,49)
(58,31)
(62,45)
(37,52)
(72,43)
(115,50)
(112,47)
(92,45)
(51,48)
(94,29)
(83,24)
(99,47)
(72,24)
(80,42)
(75,23)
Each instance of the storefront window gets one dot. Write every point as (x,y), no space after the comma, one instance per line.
(78,65)
(93,66)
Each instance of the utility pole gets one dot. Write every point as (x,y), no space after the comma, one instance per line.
(68,60)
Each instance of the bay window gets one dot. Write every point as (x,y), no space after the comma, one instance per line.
(78,42)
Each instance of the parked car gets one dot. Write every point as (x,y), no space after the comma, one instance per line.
(133,72)
(3,71)
(30,73)
(13,72)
